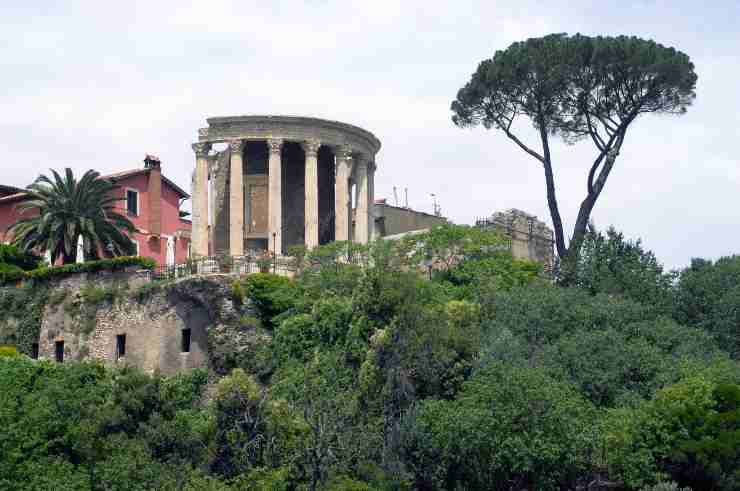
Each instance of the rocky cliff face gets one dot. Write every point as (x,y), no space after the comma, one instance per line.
(122,318)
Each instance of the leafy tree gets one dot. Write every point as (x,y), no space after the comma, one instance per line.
(510,429)
(271,295)
(689,431)
(82,426)
(610,264)
(63,209)
(448,244)
(613,349)
(469,262)
(576,87)
(708,296)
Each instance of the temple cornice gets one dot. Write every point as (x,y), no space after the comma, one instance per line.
(289,128)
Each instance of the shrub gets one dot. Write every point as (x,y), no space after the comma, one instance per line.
(509,425)
(113,264)
(8,351)
(270,294)
(10,273)
(689,431)
(12,256)
(708,296)
(142,293)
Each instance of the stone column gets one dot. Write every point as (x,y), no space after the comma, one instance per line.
(275,195)
(362,222)
(311,210)
(371,199)
(341,193)
(200,199)
(236,199)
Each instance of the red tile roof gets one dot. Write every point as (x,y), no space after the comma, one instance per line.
(116,176)
(6,190)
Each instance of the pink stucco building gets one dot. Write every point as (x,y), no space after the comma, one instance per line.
(150,200)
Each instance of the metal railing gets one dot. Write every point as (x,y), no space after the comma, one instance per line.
(236,265)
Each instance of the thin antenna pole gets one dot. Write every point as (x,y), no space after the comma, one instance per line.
(395,195)
(406,192)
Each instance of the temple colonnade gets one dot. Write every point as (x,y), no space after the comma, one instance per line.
(281,181)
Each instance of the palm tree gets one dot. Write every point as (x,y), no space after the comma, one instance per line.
(69,209)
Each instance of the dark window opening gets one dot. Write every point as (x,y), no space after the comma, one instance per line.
(186,340)
(35,351)
(132,202)
(120,346)
(59,351)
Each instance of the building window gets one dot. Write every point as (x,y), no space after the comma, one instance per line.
(132,202)
(35,351)
(185,341)
(136,247)
(59,351)
(120,346)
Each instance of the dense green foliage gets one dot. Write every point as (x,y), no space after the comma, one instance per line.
(613,265)
(14,262)
(486,376)
(80,426)
(708,296)
(39,275)
(689,431)
(60,211)
(516,427)
(21,311)
(270,294)
(10,255)
(576,87)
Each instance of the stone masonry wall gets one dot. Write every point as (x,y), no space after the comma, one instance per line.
(87,312)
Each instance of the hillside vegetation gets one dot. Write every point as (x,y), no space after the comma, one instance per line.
(486,376)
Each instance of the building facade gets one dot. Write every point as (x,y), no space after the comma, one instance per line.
(150,200)
(281,181)
(392,220)
(529,237)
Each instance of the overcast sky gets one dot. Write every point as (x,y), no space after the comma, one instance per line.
(98,84)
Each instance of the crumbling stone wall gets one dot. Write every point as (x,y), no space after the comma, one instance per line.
(530,238)
(69,318)
(88,312)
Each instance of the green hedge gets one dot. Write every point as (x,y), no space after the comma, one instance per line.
(44,274)
(10,255)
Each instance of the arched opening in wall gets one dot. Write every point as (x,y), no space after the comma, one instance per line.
(326,194)
(35,351)
(293,163)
